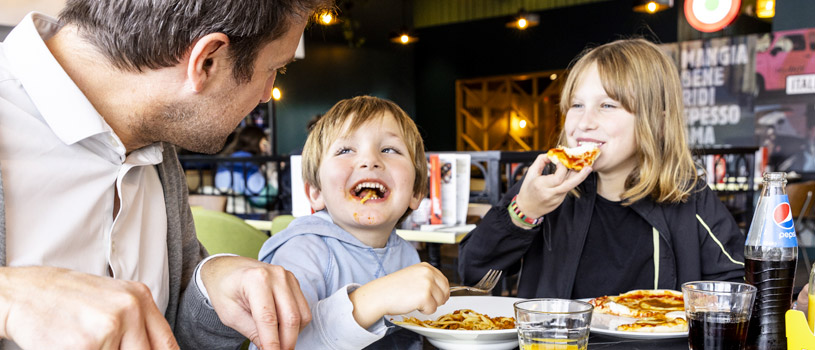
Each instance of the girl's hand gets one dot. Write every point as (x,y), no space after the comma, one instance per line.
(541,194)
(418,287)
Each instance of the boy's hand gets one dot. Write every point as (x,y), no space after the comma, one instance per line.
(540,194)
(419,287)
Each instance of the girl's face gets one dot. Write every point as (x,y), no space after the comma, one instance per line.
(593,116)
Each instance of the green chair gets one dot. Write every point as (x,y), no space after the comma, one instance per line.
(225,233)
(280,222)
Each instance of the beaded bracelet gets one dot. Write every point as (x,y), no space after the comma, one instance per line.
(516,213)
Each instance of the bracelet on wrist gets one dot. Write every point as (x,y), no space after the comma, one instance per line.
(517,214)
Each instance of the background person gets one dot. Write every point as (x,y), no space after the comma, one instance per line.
(351,265)
(639,218)
(252,179)
(102,253)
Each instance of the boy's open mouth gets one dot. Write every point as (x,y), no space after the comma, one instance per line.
(369,190)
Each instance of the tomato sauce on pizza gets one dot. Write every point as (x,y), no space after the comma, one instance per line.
(574,158)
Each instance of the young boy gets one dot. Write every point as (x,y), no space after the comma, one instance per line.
(365,170)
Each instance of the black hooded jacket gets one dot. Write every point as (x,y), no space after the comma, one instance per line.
(698,240)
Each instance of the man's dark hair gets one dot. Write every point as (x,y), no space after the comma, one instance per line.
(139,34)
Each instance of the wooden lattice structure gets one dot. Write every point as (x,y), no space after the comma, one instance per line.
(508,113)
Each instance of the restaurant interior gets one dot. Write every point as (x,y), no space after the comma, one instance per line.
(478,83)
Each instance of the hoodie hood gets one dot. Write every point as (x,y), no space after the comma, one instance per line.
(319,224)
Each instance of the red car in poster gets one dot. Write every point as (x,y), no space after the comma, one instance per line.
(786,56)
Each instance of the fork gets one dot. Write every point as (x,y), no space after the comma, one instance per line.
(485,285)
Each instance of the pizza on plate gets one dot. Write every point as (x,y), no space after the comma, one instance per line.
(647,311)
(576,157)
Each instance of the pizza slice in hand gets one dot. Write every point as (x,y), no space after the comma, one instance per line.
(574,158)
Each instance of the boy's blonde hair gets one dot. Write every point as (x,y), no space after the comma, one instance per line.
(646,82)
(362,109)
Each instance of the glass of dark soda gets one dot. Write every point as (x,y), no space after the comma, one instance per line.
(718,314)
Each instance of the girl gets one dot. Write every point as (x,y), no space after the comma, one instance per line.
(639,218)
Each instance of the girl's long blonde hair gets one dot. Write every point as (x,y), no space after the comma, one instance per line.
(646,82)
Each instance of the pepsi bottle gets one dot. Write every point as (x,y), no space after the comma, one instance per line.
(771,253)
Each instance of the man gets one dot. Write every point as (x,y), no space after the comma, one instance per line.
(96,236)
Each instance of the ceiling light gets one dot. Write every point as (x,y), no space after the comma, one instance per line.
(524,20)
(652,6)
(765,8)
(326,18)
(404,37)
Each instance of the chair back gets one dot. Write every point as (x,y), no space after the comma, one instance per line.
(280,222)
(225,233)
(802,199)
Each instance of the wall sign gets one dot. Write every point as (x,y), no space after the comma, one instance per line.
(711,15)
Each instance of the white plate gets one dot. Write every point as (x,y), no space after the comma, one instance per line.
(464,339)
(607,325)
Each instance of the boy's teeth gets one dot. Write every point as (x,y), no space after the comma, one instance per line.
(370,185)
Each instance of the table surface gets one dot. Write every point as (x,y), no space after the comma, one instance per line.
(612,343)
(403,339)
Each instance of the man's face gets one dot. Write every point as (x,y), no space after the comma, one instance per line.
(202,123)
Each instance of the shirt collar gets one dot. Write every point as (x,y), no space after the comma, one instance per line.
(62,104)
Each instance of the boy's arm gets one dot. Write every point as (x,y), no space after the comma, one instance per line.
(418,287)
(332,325)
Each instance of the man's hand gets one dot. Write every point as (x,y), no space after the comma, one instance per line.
(261,301)
(53,308)
(540,194)
(802,303)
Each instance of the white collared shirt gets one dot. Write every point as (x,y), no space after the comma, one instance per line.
(63,165)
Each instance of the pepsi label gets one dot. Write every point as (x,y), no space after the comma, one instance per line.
(778,228)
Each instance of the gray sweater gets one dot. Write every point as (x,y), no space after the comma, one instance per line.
(193,320)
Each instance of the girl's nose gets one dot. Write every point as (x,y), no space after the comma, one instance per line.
(587,120)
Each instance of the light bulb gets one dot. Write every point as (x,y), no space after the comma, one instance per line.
(326,18)
(276,94)
(404,38)
(522,123)
(522,23)
(652,7)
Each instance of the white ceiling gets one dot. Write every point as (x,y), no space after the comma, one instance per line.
(12,11)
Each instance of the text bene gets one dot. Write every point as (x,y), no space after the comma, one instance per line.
(702,71)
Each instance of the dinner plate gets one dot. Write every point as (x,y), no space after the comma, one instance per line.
(464,339)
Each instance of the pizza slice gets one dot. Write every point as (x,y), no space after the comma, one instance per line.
(575,157)
(662,324)
(650,311)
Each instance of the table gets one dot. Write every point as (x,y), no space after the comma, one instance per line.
(406,340)
(433,236)
(612,343)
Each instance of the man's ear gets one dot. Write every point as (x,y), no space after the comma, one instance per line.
(315,197)
(208,55)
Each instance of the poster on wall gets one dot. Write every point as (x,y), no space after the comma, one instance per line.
(718,83)
(785,105)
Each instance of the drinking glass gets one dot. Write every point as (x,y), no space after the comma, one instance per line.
(718,314)
(550,324)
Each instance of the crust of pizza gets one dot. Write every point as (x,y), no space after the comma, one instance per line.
(654,310)
(574,158)
(656,325)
